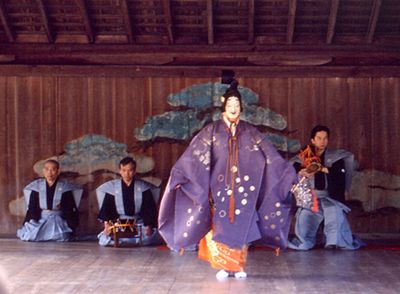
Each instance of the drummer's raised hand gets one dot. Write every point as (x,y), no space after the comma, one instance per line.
(303,172)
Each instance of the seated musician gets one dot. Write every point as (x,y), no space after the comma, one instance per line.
(330,184)
(52,213)
(128,201)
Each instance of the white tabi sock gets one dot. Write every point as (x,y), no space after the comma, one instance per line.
(222,275)
(240,275)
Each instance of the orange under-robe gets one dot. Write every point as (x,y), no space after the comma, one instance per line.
(221,256)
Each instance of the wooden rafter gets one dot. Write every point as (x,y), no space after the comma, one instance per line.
(45,19)
(240,50)
(373,20)
(291,21)
(308,55)
(168,20)
(127,20)
(199,71)
(210,22)
(86,19)
(5,22)
(33,53)
(332,21)
(251,21)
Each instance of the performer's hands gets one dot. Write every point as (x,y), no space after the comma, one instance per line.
(148,230)
(177,187)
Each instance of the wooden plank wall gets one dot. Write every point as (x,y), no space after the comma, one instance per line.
(39,114)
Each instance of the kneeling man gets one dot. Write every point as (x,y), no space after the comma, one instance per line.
(128,200)
(52,213)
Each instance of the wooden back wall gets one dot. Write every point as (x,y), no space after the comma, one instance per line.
(39,114)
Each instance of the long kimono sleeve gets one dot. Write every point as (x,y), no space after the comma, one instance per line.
(185,215)
(34,211)
(148,211)
(69,209)
(108,210)
(276,199)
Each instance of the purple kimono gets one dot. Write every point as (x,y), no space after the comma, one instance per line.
(200,182)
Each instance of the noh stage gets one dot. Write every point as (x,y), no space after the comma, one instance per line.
(85,267)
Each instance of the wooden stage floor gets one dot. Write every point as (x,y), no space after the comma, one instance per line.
(84,267)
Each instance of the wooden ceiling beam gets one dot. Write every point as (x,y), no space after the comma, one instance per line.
(127,20)
(199,71)
(86,20)
(203,50)
(210,22)
(373,20)
(291,21)
(332,21)
(251,21)
(5,22)
(323,56)
(168,20)
(45,19)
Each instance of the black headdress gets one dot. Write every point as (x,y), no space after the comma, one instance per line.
(228,77)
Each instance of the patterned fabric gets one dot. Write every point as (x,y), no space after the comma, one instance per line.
(304,195)
(221,256)
(202,182)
